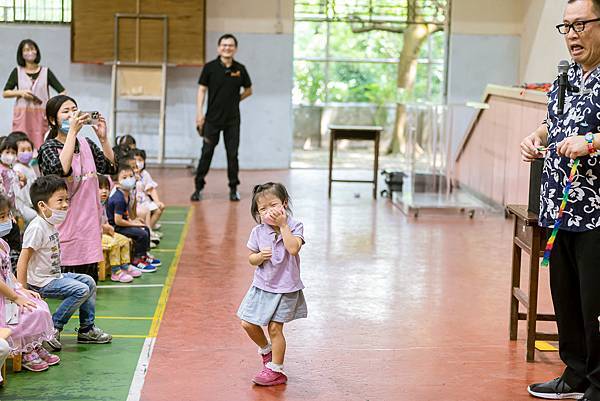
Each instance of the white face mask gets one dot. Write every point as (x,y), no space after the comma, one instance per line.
(58,216)
(140,164)
(127,183)
(8,158)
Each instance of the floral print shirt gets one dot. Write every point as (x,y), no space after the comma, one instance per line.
(581,115)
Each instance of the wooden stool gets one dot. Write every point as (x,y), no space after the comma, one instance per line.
(356,133)
(531,238)
(16,365)
(104,266)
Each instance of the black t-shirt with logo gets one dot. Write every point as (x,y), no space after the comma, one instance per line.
(224,85)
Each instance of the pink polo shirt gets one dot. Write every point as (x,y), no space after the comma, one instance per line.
(280,274)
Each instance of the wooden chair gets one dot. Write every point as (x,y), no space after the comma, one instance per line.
(16,366)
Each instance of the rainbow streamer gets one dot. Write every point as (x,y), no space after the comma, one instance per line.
(563,204)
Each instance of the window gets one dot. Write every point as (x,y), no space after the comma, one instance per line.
(45,11)
(347,51)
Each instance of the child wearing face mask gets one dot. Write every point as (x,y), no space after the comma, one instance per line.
(117,244)
(39,265)
(275,296)
(10,233)
(21,310)
(124,222)
(11,181)
(147,195)
(22,166)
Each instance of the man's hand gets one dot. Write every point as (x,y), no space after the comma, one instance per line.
(200,124)
(573,147)
(529,147)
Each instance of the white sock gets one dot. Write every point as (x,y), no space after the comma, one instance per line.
(275,367)
(265,350)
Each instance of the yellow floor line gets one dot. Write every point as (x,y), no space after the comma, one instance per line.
(113,335)
(544,346)
(118,317)
(164,295)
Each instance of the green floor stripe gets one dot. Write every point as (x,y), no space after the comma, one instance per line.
(104,372)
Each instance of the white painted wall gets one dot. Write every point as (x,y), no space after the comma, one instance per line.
(263,28)
(542,47)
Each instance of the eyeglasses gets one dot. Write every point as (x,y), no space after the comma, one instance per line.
(578,26)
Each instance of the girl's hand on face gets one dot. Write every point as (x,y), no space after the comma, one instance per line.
(100,129)
(279,217)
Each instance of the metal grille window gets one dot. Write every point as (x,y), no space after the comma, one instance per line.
(37,11)
(347,51)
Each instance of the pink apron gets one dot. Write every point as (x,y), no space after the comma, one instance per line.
(81,233)
(28,116)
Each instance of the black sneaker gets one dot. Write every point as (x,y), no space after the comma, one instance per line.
(556,389)
(234,195)
(94,336)
(196,196)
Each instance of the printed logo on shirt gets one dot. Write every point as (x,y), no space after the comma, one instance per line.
(55,250)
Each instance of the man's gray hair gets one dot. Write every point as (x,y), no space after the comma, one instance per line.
(596,5)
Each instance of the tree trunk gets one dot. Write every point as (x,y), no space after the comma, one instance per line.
(414,36)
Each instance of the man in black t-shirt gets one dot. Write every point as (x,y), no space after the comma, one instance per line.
(227,83)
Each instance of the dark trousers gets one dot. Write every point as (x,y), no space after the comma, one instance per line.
(231,136)
(140,237)
(91,269)
(575,285)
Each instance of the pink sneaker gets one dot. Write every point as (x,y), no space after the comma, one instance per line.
(47,357)
(33,362)
(121,276)
(132,271)
(267,358)
(267,377)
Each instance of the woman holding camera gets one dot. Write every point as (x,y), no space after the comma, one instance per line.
(29,83)
(79,160)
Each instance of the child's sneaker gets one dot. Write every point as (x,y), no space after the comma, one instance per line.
(47,357)
(54,343)
(132,270)
(267,377)
(157,226)
(121,276)
(94,336)
(33,362)
(152,260)
(267,358)
(143,266)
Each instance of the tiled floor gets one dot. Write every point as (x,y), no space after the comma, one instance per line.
(399,309)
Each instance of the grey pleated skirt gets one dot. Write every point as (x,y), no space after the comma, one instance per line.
(261,307)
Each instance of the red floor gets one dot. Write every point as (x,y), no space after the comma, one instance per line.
(399,309)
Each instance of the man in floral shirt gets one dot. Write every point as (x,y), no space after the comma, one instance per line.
(575,261)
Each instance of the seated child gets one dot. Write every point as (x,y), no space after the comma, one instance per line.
(118,212)
(39,265)
(10,179)
(24,157)
(148,201)
(10,233)
(117,244)
(23,311)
